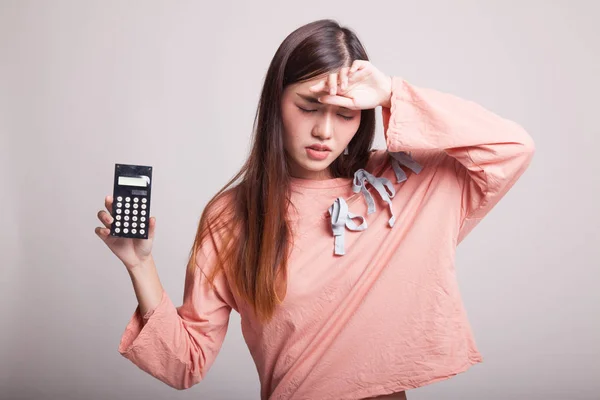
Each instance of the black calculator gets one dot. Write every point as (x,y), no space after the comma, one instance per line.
(131,201)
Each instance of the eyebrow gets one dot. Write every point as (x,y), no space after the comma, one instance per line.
(312,99)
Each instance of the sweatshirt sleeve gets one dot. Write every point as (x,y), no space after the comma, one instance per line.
(178,345)
(487,152)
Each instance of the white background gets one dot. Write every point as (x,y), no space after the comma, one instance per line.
(175,85)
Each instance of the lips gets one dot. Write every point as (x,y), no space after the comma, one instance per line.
(319,147)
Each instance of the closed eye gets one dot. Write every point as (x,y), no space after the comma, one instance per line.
(312,111)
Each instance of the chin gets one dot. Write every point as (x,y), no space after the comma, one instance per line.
(315,166)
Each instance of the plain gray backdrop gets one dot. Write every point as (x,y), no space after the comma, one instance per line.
(175,85)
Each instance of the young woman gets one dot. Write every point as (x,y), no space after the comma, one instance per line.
(339,258)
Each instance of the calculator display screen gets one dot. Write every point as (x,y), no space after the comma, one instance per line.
(133,181)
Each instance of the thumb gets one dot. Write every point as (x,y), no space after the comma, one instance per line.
(151,227)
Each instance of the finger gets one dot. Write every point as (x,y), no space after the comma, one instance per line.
(356,65)
(102,232)
(151,227)
(105,218)
(337,101)
(319,87)
(108,201)
(359,75)
(332,84)
(344,78)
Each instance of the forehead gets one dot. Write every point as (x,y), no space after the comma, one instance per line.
(304,85)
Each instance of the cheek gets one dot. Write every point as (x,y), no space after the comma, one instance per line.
(295,120)
(350,128)
(291,133)
(295,127)
(288,125)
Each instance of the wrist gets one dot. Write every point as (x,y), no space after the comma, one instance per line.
(142,267)
(387,90)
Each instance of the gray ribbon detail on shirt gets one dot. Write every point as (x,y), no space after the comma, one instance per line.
(383,186)
(401,157)
(342,218)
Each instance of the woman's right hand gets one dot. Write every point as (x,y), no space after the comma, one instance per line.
(132,252)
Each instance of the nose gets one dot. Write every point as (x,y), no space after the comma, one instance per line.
(324,127)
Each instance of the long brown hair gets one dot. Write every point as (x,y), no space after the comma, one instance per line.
(255,235)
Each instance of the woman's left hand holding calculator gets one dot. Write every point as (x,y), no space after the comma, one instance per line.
(131,251)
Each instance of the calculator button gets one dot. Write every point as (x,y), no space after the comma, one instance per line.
(142,231)
(136,199)
(117,223)
(127,205)
(127,199)
(142,219)
(133,231)
(118,217)
(118,210)
(142,225)
(126,211)
(125,230)
(119,204)
(135,212)
(144,206)
(143,212)
(119,198)
(134,218)
(133,224)
(135,206)
(126,218)
(117,230)
(144,200)
(125,224)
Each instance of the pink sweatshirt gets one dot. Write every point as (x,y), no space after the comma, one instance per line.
(372,306)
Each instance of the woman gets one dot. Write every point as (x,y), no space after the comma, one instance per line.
(339,258)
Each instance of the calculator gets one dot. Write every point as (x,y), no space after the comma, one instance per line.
(131,201)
